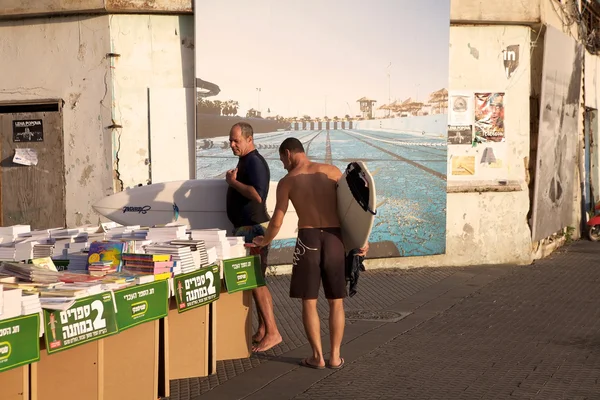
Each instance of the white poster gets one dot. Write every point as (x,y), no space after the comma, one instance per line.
(460,108)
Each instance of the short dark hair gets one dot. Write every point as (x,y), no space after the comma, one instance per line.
(246,129)
(292,144)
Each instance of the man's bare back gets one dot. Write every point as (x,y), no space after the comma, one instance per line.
(312,191)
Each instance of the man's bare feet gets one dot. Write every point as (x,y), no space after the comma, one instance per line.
(258,336)
(336,364)
(312,362)
(269,341)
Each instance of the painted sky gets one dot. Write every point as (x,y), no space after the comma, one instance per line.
(318,57)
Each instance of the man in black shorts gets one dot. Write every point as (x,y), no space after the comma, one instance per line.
(247,211)
(319,251)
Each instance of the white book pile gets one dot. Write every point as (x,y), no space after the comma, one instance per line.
(40,235)
(7,251)
(120,232)
(182,255)
(216,238)
(11,303)
(42,250)
(24,250)
(165,234)
(76,247)
(236,246)
(11,233)
(30,304)
(212,255)
(198,250)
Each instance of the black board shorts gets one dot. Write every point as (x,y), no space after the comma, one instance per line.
(319,255)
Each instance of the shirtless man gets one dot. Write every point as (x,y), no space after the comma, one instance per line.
(319,248)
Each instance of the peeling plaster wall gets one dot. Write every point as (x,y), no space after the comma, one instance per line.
(492,227)
(488,228)
(64,58)
(155,51)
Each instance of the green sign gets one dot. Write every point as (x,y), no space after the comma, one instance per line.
(90,318)
(142,303)
(242,273)
(19,341)
(197,288)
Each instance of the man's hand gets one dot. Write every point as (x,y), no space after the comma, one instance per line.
(259,241)
(231,176)
(363,252)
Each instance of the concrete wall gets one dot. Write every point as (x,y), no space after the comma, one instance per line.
(505,11)
(11,9)
(488,227)
(65,58)
(155,51)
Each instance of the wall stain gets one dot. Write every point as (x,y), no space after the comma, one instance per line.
(474,52)
(85,175)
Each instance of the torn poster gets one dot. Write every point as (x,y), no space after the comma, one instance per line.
(25,157)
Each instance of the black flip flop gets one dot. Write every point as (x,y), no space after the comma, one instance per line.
(305,363)
(337,366)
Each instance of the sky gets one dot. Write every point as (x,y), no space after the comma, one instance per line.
(317,57)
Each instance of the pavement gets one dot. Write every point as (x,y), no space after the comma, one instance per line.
(481,332)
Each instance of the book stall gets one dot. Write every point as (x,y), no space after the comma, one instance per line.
(120,310)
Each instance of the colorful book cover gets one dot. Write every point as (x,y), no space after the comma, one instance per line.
(107,251)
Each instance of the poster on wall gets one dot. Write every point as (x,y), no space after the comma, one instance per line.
(460,108)
(336,76)
(558,136)
(460,134)
(28,131)
(489,117)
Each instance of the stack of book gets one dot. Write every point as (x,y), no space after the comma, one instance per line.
(181,255)
(216,238)
(159,265)
(11,302)
(197,248)
(9,234)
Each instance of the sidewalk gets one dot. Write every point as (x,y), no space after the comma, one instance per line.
(439,333)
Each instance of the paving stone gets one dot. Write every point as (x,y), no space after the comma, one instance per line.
(528,332)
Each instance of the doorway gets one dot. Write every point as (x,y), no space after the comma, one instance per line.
(32,178)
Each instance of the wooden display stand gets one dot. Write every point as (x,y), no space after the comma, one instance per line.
(82,365)
(186,342)
(131,363)
(14,383)
(233,325)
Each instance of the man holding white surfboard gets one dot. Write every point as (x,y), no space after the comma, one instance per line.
(319,252)
(247,211)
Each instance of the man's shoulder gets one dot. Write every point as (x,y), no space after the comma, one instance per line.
(255,159)
(325,167)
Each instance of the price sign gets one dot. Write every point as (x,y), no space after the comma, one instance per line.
(197,288)
(90,318)
(242,273)
(19,341)
(142,303)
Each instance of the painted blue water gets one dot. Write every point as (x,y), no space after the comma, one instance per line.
(409,171)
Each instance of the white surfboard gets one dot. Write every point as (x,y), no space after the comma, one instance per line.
(356,199)
(199,203)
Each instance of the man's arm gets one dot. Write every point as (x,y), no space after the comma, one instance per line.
(281,206)
(247,191)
